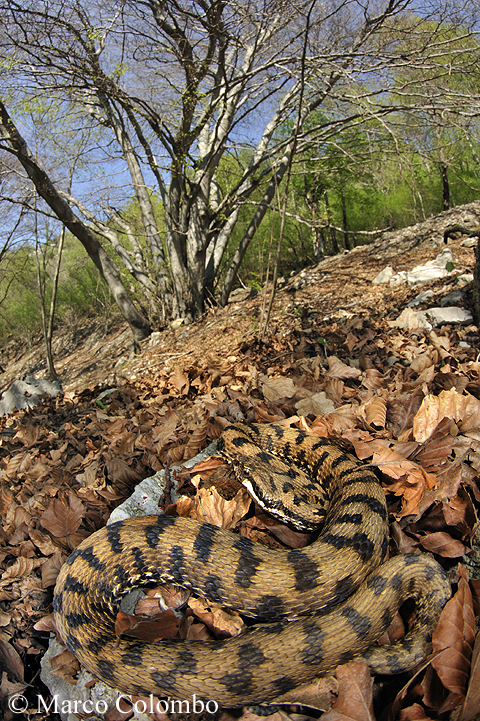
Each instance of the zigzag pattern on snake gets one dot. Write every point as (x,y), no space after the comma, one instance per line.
(342,580)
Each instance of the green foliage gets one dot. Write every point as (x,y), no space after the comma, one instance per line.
(81,292)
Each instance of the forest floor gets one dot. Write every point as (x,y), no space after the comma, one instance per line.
(342,356)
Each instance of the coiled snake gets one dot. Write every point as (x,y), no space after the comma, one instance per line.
(341,580)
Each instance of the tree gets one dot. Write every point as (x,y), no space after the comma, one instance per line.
(173,86)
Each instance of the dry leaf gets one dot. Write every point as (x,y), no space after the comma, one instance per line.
(10,659)
(454,637)
(22,567)
(443,544)
(165,624)
(316,405)
(180,381)
(63,520)
(66,666)
(223,623)
(275,388)
(211,507)
(470,710)
(354,702)
(376,412)
(448,404)
(339,369)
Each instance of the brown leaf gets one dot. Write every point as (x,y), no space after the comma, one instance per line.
(10,659)
(316,405)
(454,636)
(448,404)
(414,713)
(443,544)
(120,470)
(171,595)
(275,388)
(165,625)
(354,702)
(470,710)
(192,631)
(211,507)
(43,542)
(376,412)
(180,381)
(339,369)
(66,666)
(63,520)
(314,694)
(373,379)
(22,567)
(47,623)
(223,623)
(51,569)
(401,411)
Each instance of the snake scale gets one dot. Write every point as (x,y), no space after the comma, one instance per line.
(341,580)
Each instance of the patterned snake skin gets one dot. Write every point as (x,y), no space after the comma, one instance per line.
(342,580)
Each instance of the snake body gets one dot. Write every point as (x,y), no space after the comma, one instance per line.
(342,580)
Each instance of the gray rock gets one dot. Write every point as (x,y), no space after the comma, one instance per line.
(398,279)
(469,242)
(455,298)
(384,275)
(27,393)
(448,315)
(154,338)
(464,279)
(424,297)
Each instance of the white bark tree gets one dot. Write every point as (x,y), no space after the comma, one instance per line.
(171,86)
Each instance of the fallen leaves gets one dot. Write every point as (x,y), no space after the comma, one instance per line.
(407,402)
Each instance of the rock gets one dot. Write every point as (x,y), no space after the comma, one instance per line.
(464,279)
(455,298)
(424,297)
(446,256)
(84,698)
(155,338)
(469,242)
(398,279)
(421,274)
(27,393)
(430,318)
(448,315)
(177,323)
(384,275)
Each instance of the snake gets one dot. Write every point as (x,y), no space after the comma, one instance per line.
(313,607)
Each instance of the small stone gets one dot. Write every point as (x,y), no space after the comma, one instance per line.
(469,242)
(455,298)
(398,279)
(177,323)
(464,279)
(384,275)
(423,297)
(154,338)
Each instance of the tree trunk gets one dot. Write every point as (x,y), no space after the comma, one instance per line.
(346,237)
(333,234)
(46,190)
(445,187)
(319,242)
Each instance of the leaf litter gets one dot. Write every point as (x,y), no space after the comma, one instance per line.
(405,400)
